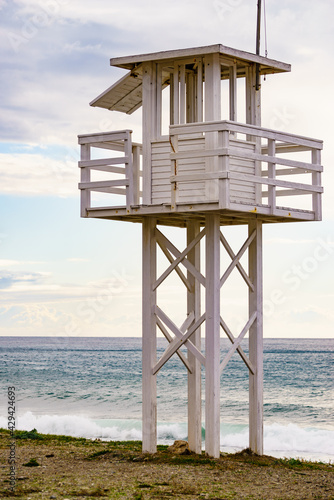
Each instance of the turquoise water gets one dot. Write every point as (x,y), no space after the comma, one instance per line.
(92,387)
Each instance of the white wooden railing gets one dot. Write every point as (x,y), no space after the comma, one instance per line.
(126,166)
(221,145)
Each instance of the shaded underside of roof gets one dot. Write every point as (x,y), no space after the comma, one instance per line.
(125,95)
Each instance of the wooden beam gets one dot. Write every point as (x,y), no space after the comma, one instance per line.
(182,93)
(176,97)
(149,343)
(194,378)
(256,340)
(199,88)
(149,126)
(212,112)
(233,92)
(212,337)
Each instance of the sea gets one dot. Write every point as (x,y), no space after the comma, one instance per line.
(91,387)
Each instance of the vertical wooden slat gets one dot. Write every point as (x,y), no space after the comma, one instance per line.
(171,99)
(85,196)
(233,93)
(212,337)
(256,340)
(253,117)
(176,100)
(316,181)
(159,99)
(199,91)
(182,93)
(190,98)
(149,343)
(194,378)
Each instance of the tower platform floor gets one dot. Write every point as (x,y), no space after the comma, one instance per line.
(179,217)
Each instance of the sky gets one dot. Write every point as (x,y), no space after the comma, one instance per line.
(65,276)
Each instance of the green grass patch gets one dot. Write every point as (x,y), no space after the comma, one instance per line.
(33,434)
(297,463)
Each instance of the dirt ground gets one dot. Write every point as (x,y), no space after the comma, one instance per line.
(60,467)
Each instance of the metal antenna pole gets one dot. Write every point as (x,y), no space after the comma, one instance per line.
(258,33)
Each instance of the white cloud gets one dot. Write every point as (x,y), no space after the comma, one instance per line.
(34,174)
(16,263)
(9,263)
(77,47)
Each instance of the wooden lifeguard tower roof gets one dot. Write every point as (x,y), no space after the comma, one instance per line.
(126,94)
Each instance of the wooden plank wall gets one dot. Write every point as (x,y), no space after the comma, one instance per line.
(194,192)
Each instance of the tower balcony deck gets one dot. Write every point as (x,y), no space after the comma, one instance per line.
(240,171)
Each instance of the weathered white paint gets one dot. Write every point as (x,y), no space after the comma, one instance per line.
(149,345)
(194,378)
(256,339)
(212,336)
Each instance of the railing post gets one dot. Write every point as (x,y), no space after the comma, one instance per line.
(135,170)
(128,169)
(85,196)
(271,175)
(316,181)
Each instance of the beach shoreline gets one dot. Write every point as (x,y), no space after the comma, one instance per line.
(62,467)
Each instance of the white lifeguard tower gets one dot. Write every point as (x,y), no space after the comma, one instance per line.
(196,171)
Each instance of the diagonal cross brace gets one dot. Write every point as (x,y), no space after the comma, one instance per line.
(237,257)
(171,260)
(183,328)
(182,357)
(180,339)
(236,343)
(239,266)
(180,258)
(240,351)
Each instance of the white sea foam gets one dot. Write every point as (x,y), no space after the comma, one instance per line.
(279,440)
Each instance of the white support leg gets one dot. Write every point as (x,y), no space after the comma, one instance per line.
(194,378)
(256,342)
(212,337)
(149,346)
